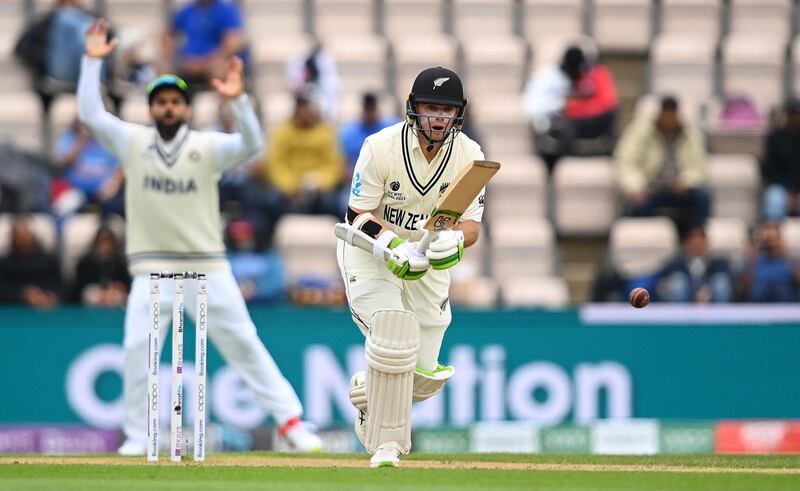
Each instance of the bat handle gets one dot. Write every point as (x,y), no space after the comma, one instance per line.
(425,242)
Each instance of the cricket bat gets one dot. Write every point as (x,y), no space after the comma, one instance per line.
(463,189)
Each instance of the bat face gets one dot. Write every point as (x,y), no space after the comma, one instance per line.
(466,186)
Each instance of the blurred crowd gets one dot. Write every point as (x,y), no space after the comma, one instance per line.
(572,104)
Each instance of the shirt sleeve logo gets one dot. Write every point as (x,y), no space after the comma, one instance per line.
(355,189)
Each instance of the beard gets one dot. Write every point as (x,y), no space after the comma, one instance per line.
(169,130)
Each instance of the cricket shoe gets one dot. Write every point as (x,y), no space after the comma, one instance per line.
(299,438)
(132,448)
(387,455)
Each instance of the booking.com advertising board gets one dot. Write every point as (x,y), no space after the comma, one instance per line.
(548,367)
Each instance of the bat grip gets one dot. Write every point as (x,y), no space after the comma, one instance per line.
(425,242)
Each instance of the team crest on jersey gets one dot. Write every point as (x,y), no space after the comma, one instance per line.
(393,193)
(481,200)
(355,189)
(443,188)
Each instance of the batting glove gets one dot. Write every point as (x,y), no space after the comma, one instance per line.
(406,262)
(446,250)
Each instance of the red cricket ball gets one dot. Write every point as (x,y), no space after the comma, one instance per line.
(639,297)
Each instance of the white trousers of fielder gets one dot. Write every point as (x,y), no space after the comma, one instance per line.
(231,330)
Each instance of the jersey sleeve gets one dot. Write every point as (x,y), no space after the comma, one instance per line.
(366,190)
(244,146)
(475,210)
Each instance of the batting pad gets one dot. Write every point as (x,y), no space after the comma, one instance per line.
(391,351)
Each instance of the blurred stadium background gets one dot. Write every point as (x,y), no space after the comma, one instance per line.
(541,367)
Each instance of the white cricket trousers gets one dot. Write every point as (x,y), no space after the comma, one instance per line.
(231,330)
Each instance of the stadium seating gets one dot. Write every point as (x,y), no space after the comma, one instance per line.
(692,17)
(790,229)
(585,193)
(494,65)
(42,225)
(362,62)
(682,65)
(552,18)
(522,252)
(20,119)
(412,54)
(480,19)
(543,291)
(502,125)
(308,247)
(735,183)
(622,25)
(274,18)
(331,17)
(519,190)
(761,16)
(753,64)
(410,18)
(640,246)
(77,235)
(727,238)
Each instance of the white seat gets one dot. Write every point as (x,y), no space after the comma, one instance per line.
(20,119)
(796,65)
(356,16)
(584,192)
(552,18)
(522,251)
(550,50)
(682,65)
(760,16)
(276,108)
(501,122)
(545,291)
(735,182)
(483,18)
(472,265)
(42,225)
(135,109)
(691,17)
(270,54)
(790,230)
(480,292)
(727,238)
(641,246)
(134,13)
(77,235)
(409,18)
(205,109)
(274,18)
(63,114)
(308,246)
(412,54)
(623,25)
(518,190)
(494,64)
(361,61)
(752,64)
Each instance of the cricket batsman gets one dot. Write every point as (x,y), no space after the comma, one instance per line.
(173,224)
(401,304)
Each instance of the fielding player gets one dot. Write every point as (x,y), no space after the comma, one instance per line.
(173,224)
(401,306)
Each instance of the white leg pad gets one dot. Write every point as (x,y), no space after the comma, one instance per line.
(391,352)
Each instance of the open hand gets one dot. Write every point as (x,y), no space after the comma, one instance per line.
(233,85)
(97,43)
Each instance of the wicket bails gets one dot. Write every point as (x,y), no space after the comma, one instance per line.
(154,354)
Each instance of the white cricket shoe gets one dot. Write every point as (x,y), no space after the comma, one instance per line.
(299,437)
(132,448)
(387,455)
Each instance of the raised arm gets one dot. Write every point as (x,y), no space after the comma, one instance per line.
(248,143)
(111,131)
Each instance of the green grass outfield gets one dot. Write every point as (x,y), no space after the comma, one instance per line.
(420,472)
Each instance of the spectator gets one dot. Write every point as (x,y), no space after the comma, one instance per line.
(303,167)
(781,166)
(91,174)
(770,274)
(354,133)
(24,180)
(102,278)
(662,169)
(29,275)
(51,48)
(202,37)
(693,276)
(315,76)
(259,274)
(573,102)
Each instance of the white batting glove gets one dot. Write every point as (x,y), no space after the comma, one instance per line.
(446,249)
